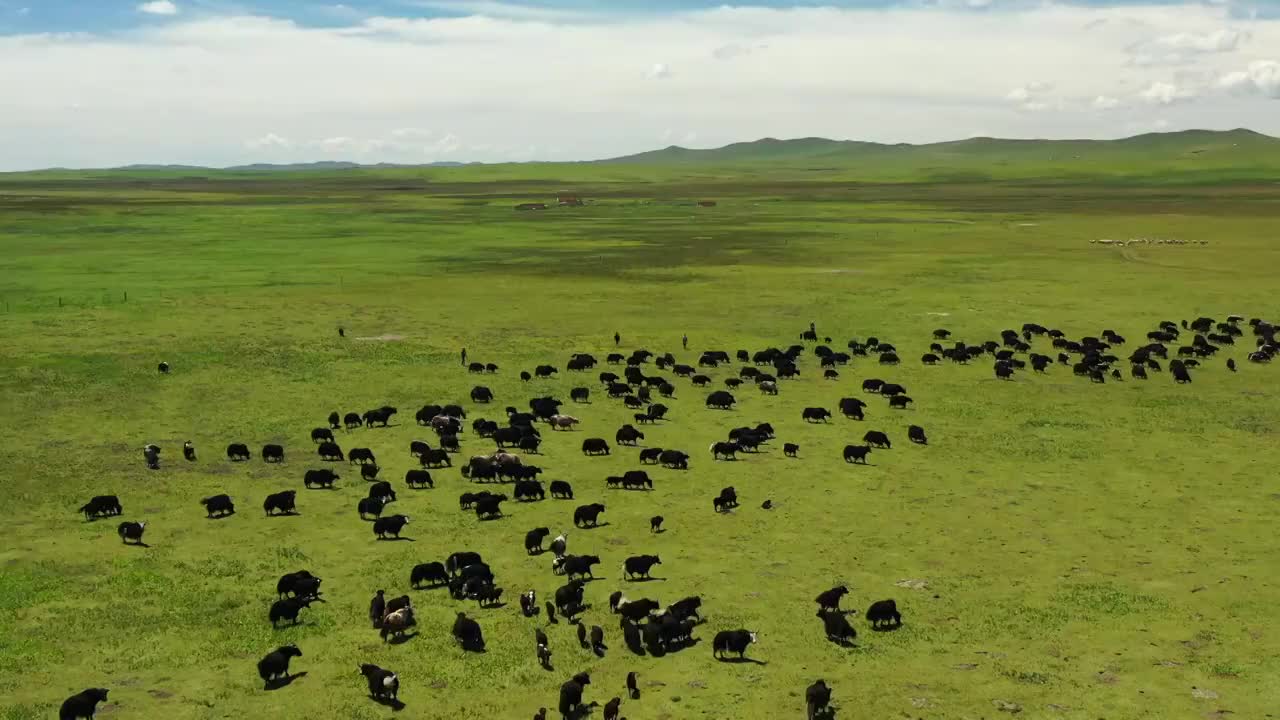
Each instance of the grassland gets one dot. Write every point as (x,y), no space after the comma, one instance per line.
(1087,551)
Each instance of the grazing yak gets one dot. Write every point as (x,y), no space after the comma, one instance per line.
(579,565)
(674,459)
(238,452)
(830,599)
(725,450)
(875,438)
(790,449)
(394,624)
(900,402)
(418,479)
(727,641)
(299,584)
(383,684)
(481,394)
(319,478)
(390,525)
(815,414)
(655,523)
(915,434)
(383,492)
(639,565)
(720,400)
(628,435)
(321,435)
(131,532)
(276,663)
(852,408)
(817,701)
(288,609)
(571,696)
(362,456)
(432,573)
(281,502)
(563,422)
(272,453)
(650,456)
(189,451)
(533,540)
(83,704)
(219,505)
(330,451)
(433,458)
(856,453)
(561,489)
(726,500)
(883,612)
(467,633)
(380,416)
(101,506)
(588,515)
(370,507)
(595,446)
(488,508)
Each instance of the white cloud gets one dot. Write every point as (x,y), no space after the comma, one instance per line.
(1183,48)
(158,7)
(1214,42)
(268,142)
(1031,97)
(1163,93)
(1104,102)
(733,50)
(1261,78)
(200,88)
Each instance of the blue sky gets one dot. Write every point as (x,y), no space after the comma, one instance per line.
(217,82)
(26,16)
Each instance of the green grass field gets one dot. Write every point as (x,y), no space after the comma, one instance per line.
(1073,550)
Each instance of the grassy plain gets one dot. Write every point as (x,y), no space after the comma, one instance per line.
(1088,551)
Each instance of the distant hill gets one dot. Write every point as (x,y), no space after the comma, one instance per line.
(1190,156)
(1152,152)
(292,167)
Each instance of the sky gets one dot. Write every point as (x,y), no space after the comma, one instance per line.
(103,83)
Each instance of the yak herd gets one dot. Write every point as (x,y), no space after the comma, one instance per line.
(644,624)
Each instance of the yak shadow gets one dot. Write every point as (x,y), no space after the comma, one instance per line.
(743,661)
(659,531)
(321,487)
(645,579)
(283,682)
(398,538)
(220,517)
(842,642)
(582,711)
(593,527)
(886,628)
(402,638)
(599,650)
(290,513)
(493,606)
(137,544)
(493,518)
(395,705)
